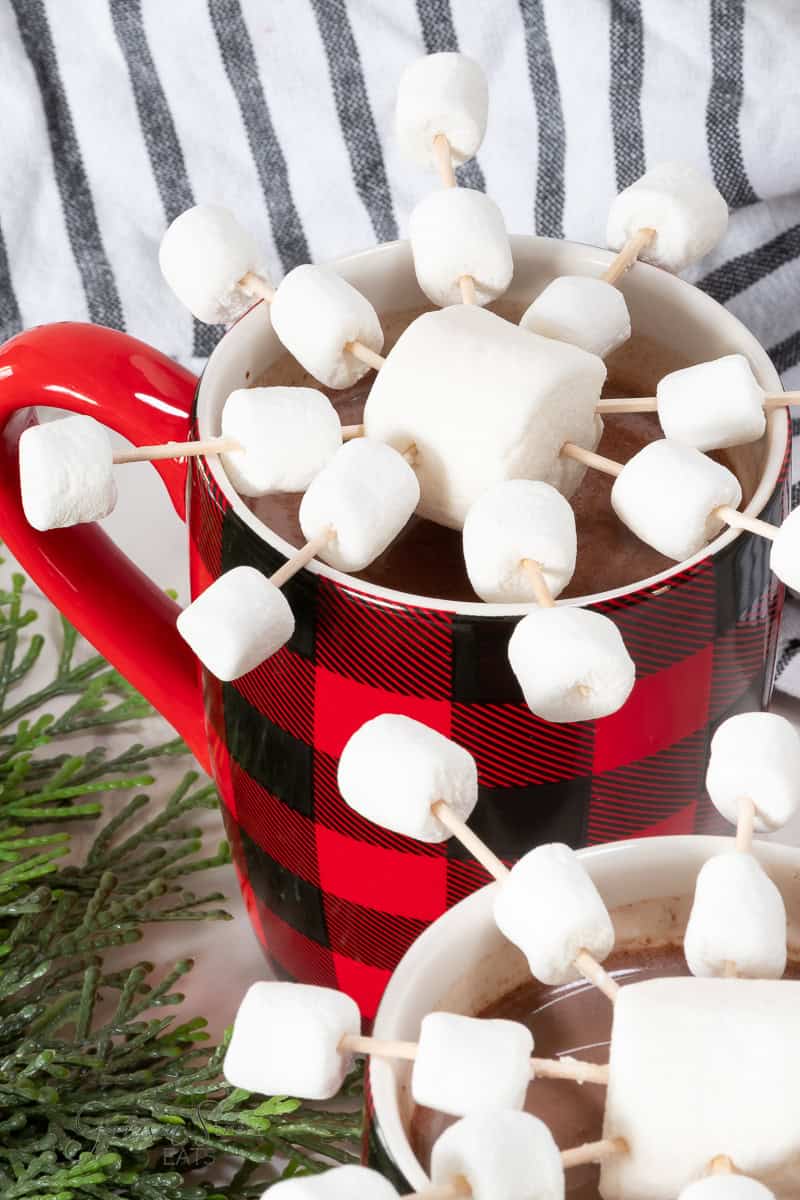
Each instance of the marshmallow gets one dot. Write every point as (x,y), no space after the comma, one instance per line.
(66,473)
(466,1063)
(755,756)
(237,622)
(549,907)
(502,1156)
(288,434)
(726,1187)
(700,1068)
(713,404)
(286,1040)
(436,390)
(571,664)
(459,232)
(441,93)
(203,256)
(365,494)
(315,314)
(517,520)
(667,493)
(681,204)
(393,769)
(784,557)
(339,1183)
(589,313)
(738,917)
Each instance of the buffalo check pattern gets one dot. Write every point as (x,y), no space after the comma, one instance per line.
(336,900)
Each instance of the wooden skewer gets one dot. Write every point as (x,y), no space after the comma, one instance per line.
(533,569)
(302,557)
(745,825)
(721,1165)
(647,404)
(217,445)
(444,165)
(628,255)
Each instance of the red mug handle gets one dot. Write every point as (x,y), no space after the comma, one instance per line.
(142,394)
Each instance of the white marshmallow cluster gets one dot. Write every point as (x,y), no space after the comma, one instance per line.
(713,404)
(681,203)
(469,1064)
(66,473)
(738,918)
(204,255)
(502,1156)
(755,756)
(458,232)
(667,493)
(441,94)
(587,312)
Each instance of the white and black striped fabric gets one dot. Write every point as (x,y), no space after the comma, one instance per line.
(117,114)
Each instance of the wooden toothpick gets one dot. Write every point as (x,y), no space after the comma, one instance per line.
(208,446)
(444,165)
(649,404)
(628,255)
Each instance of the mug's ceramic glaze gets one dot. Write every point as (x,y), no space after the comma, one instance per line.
(333,899)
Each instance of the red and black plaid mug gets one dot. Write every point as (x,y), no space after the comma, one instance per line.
(333,899)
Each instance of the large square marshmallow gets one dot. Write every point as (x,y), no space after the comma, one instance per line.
(738,917)
(316,313)
(464,1064)
(340,1183)
(66,473)
(286,1040)
(502,1156)
(394,769)
(701,1068)
(681,203)
(203,256)
(237,622)
(713,404)
(457,232)
(755,756)
(441,93)
(483,401)
(667,493)
(587,312)
(549,907)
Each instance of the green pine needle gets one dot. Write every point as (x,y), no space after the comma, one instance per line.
(103,1091)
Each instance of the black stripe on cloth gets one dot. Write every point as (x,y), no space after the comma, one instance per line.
(77,202)
(786,354)
(355,116)
(439,36)
(741,272)
(725,102)
(160,135)
(787,655)
(549,203)
(10,316)
(626,42)
(241,68)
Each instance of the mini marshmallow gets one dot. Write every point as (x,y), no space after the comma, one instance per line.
(365,494)
(315,314)
(436,390)
(339,1183)
(726,1187)
(784,557)
(237,622)
(502,1156)
(738,917)
(517,520)
(700,1068)
(687,212)
(713,404)
(549,907)
(66,473)
(288,434)
(457,232)
(667,493)
(464,1064)
(203,256)
(571,664)
(441,93)
(589,313)
(755,756)
(393,769)
(286,1040)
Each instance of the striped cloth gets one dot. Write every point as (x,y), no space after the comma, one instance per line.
(118,115)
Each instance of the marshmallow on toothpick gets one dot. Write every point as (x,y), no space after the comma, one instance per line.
(549,907)
(365,495)
(338,1183)
(738,921)
(467,1063)
(713,404)
(204,256)
(515,522)
(66,475)
(286,1040)
(667,493)
(586,312)
(458,232)
(571,664)
(755,756)
(287,435)
(502,1156)
(445,94)
(435,390)
(681,204)
(726,1187)
(784,557)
